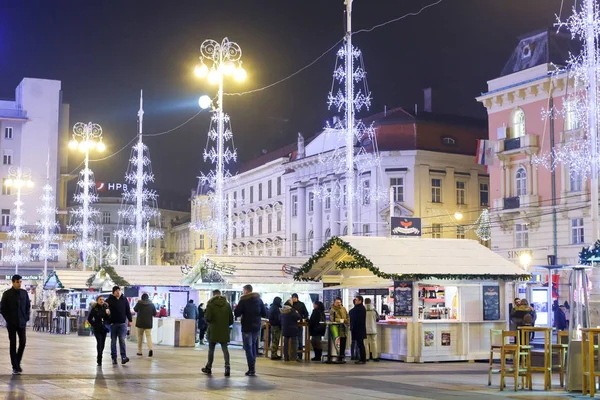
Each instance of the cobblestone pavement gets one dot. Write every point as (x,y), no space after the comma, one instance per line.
(63,367)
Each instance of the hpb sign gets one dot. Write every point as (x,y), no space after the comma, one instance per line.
(110,186)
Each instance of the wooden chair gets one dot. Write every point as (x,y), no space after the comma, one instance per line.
(561,346)
(495,348)
(526,332)
(589,349)
(521,357)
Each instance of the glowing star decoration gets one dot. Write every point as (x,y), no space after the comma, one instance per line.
(139,217)
(16,245)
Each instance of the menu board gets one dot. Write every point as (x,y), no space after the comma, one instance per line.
(329,296)
(491,303)
(403,299)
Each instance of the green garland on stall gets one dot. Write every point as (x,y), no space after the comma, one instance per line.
(587,253)
(361,262)
(106,269)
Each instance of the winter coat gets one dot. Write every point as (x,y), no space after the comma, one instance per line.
(145,310)
(522,316)
(15,307)
(300,309)
(372,318)
(358,322)
(162,313)
(289,321)
(219,317)
(336,314)
(251,309)
(120,313)
(190,311)
(560,320)
(275,312)
(98,318)
(315,327)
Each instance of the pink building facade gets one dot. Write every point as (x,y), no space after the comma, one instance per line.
(534,209)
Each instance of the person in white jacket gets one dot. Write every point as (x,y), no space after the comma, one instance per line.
(371,340)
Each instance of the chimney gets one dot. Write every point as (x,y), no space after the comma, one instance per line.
(427,100)
(301,152)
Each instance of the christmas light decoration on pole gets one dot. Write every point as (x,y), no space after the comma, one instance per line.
(18,179)
(139,204)
(47,225)
(225,60)
(347,158)
(86,137)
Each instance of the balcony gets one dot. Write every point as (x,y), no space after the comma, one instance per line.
(527,144)
(514,204)
(12,113)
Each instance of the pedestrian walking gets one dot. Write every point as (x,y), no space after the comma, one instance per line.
(275,323)
(15,307)
(316,329)
(339,314)
(358,328)
(251,309)
(120,319)
(145,311)
(202,326)
(371,324)
(300,308)
(219,318)
(99,319)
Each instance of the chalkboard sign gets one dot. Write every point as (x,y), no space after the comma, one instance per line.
(403,299)
(329,296)
(491,303)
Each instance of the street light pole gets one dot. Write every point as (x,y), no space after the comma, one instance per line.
(350,178)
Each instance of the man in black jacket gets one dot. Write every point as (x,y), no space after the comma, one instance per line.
(251,309)
(15,307)
(358,327)
(303,312)
(120,319)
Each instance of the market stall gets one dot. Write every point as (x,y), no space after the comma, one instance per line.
(444,295)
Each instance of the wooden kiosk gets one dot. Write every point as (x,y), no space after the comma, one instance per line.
(444,294)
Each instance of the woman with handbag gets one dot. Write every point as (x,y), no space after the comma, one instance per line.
(316,329)
(98,318)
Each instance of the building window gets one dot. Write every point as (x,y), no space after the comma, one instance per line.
(8,132)
(251,194)
(234,235)
(397,185)
(328,200)
(53,249)
(201,241)
(366,192)
(575,181)
(571,119)
(278,221)
(269,188)
(106,238)
(311,202)
(5,189)
(436,190)
(260,192)
(311,242)
(345,195)
(327,234)
(460,193)
(105,217)
(251,226)
(295,205)
(518,123)
(7,157)
(366,230)
(521,180)
(436,231)
(294,244)
(243,197)
(577,231)
(278,186)
(484,194)
(5,217)
(235,199)
(460,232)
(279,252)
(269,223)
(345,231)
(260,225)
(521,235)
(35,252)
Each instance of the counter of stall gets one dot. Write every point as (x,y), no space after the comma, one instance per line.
(437,298)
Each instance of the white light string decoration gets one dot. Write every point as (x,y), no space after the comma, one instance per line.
(139,217)
(225,60)
(47,225)
(355,145)
(84,218)
(18,178)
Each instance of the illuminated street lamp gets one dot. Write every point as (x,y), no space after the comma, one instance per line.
(525,260)
(18,179)
(86,137)
(218,60)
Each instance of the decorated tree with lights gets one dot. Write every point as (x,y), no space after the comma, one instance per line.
(47,226)
(139,217)
(484,226)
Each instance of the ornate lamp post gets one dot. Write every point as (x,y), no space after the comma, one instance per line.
(18,179)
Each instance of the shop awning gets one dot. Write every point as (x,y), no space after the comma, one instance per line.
(67,280)
(151,275)
(382,258)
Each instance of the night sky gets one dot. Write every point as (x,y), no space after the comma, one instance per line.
(105,51)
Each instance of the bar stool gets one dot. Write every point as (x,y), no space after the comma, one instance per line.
(547,368)
(494,348)
(589,348)
(561,346)
(521,356)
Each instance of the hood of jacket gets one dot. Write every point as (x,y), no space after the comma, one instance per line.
(144,302)
(286,309)
(250,296)
(369,307)
(276,302)
(217,301)
(523,308)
